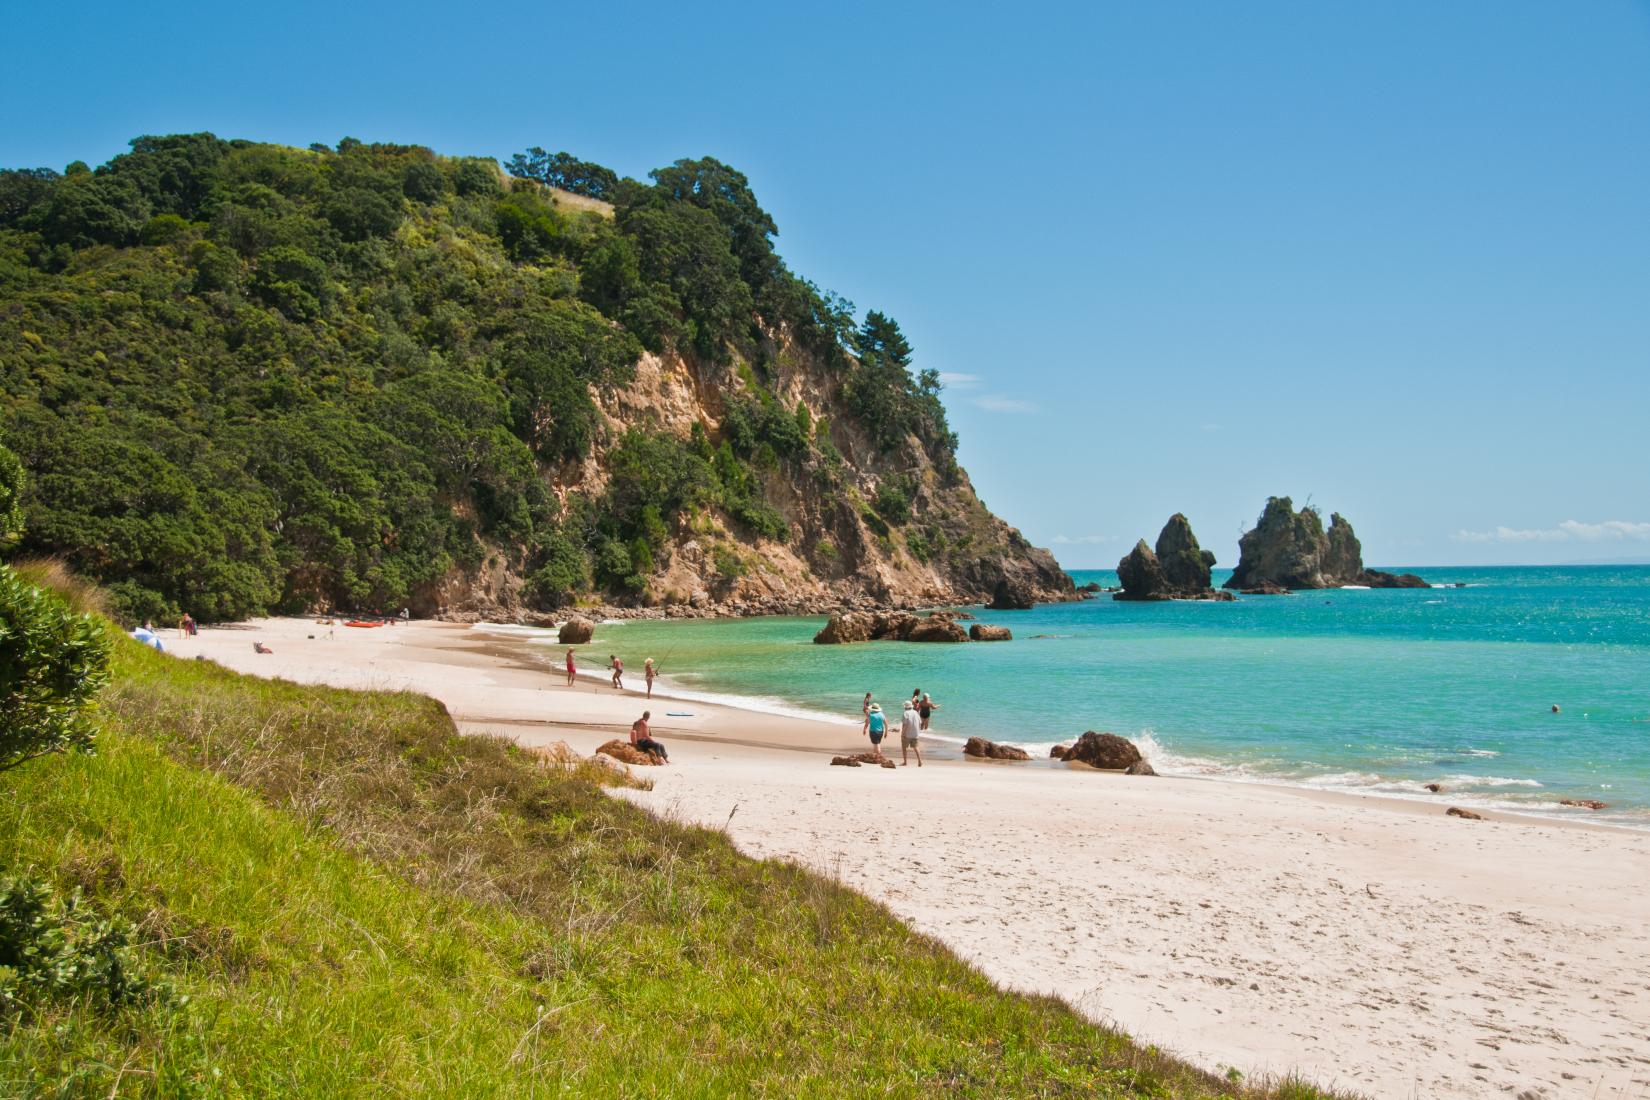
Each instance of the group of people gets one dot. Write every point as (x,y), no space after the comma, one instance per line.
(650,672)
(914,716)
(640,735)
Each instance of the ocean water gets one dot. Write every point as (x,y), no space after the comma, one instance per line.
(1378,691)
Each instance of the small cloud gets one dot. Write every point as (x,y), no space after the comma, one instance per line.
(953,381)
(1611,530)
(1081,540)
(996,402)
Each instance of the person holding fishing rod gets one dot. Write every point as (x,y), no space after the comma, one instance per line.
(649,672)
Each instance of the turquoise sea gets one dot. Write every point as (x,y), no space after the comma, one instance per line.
(1358,690)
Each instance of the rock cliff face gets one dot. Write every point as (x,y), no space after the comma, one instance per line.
(1177,570)
(838,551)
(1290,550)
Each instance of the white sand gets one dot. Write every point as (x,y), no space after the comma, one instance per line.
(1369,944)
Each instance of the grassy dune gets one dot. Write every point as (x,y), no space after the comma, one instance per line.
(350,899)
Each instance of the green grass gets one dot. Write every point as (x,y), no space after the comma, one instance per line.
(353,900)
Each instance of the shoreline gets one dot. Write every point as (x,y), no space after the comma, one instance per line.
(1404,801)
(1363,941)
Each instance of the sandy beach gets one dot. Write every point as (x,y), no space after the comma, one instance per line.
(1370,944)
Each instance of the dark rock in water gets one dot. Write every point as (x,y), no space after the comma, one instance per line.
(1266,589)
(1375,578)
(1177,570)
(1290,549)
(1092,586)
(979,746)
(1435,788)
(937,630)
(1343,554)
(1142,575)
(1058,752)
(575,632)
(1139,767)
(1185,563)
(844,627)
(1456,811)
(1584,803)
(1103,750)
(981,632)
(867,626)
(1012,594)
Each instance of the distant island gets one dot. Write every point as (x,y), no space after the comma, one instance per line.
(1290,550)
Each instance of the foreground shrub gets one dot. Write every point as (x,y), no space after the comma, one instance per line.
(56,948)
(53,663)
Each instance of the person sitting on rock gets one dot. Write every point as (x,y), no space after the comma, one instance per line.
(642,737)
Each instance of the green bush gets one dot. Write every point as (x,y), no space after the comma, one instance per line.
(53,663)
(54,948)
(11,498)
(893,499)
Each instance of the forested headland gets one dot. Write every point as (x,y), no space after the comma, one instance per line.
(245,377)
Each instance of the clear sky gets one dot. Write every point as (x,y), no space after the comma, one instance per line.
(1394,257)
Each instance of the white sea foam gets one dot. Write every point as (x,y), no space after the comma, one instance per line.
(1489,781)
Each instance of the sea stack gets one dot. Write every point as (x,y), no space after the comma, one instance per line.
(1177,570)
(1290,549)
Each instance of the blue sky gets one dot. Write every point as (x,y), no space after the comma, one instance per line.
(1392,257)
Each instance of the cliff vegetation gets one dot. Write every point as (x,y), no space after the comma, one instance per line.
(245,377)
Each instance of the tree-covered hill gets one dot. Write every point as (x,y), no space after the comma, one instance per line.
(245,377)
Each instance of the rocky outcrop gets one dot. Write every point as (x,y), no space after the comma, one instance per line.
(1375,578)
(626,753)
(575,632)
(900,626)
(1291,550)
(1103,750)
(982,632)
(1142,575)
(1266,588)
(1177,570)
(1013,594)
(1058,752)
(935,629)
(861,758)
(1139,767)
(990,750)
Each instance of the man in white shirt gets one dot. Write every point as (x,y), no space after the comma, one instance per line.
(910,726)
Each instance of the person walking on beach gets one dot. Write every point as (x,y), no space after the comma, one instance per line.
(642,737)
(571,672)
(865,713)
(876,725)
(618,671)
(649,672)
(910,726)
(924,709)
